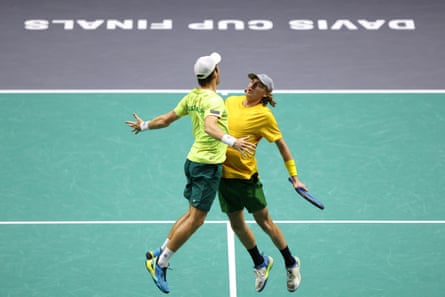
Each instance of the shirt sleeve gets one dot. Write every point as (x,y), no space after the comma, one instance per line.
(181,107)
(215,107)
(270,129)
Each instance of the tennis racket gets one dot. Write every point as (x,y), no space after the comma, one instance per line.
(306,195)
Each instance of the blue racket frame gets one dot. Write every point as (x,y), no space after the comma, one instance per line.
(306,195)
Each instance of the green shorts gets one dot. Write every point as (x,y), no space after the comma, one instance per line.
(202,183)
(237,194)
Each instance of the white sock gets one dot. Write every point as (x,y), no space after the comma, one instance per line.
(164,245)
(165,256)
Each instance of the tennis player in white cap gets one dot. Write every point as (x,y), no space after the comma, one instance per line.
(203,165)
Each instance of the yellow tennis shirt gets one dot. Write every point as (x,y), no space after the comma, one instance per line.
(257,122)
(199,104)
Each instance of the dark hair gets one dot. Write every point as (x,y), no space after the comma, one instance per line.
(268,99)
(206,81)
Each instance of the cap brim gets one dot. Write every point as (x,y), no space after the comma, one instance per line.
(255,76)
(252,76)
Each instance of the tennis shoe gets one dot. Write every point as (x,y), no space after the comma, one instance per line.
(294,276)
(262,273)
(158,274)
(151,254)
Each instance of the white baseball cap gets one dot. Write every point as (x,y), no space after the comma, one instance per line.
(205,65)
(266,80)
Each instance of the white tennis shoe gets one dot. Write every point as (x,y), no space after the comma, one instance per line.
(262,273)
(294,276)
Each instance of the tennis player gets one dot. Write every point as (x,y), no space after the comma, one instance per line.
(203,165)
(240,186)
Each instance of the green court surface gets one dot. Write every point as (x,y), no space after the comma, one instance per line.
(82,199)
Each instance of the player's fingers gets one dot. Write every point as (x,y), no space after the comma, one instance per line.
(249,152)
(301,185)
(246,153)
(251,146)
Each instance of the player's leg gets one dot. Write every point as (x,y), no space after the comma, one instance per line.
(188,225)
(200,191)
(264,220)
(158,251)
(262,264)
(242,231)
(183,230)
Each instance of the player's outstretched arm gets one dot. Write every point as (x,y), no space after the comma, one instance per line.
(158,122)
(289,162)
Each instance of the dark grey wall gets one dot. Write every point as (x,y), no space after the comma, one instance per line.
(361,53)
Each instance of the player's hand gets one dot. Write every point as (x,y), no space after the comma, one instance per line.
(135,125)
(298,184)
(246,148)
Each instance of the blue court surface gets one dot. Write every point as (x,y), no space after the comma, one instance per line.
(82,198)
(361,104)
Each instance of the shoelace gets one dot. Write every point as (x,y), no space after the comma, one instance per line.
(260,272)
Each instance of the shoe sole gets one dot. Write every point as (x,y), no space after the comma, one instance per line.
(151,270)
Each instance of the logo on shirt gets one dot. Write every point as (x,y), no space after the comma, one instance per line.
(215,112)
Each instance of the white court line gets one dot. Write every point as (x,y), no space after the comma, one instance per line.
(230,234)
(140,222)
(231,259)
(360,222)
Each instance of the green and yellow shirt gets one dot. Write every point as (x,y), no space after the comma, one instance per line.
(199,104)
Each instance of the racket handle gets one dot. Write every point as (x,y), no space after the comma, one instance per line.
(303,193)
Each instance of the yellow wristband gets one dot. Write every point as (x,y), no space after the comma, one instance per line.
(291,167)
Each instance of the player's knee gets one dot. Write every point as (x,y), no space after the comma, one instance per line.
(238,227)
(198,222)
(197,219)
(267,226)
